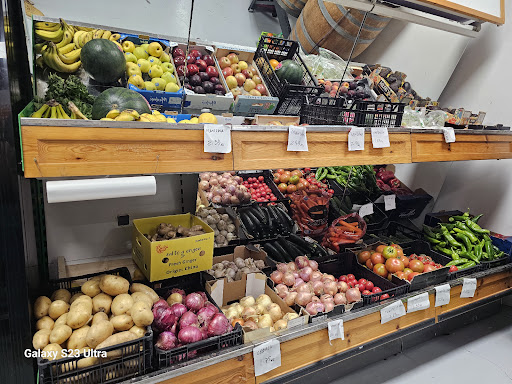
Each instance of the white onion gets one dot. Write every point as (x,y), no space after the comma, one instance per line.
(280,324)
(318,287)
(248,312)
(251,324)
(260,309)
(290,316)
(282,267)
(353,295)
(247,301)
(205,176)
(264,300)
(340,298)
(316,275)
(213,181)
(274,310)
(204,185)
(289,299)
(265,321)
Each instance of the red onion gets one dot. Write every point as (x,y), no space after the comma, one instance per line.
(203,295)
(304,287)
(209,196)
(212,306)
(247,196)
(214,174)
(353,295)
(223,182)
(282,290)
(288,279)
(194,301)
(189,319)
(231,189)
(329,277)
(178,309)
(216,199)
(205,314)
(226,198)
(204,176)
(213,181)
(219,325)
(217,191)
(318,287)
(305,273)
(301,262)
(315,299)
(178,290)
(240,194)
(291,266)
(342,286)
(277,277)
(165,320)
(204,185)
(330,287)
(251,325)
(234,200)
(160,303)
(282,267)
(289,299)
(325,297)
(340,298)
(303,298)
(329,306)
(316,275)
(227,175)
(295,274)
(166,341)
(238,179)
(297,282)
(314,307)
(313,264)
(189,335)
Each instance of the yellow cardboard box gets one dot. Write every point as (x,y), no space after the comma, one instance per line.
(160,260)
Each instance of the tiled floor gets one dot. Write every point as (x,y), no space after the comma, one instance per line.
(479,353)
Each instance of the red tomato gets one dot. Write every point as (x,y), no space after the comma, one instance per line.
(380,269)
(394,265)
(352,281)
(411,275)
(416,266)
(307,170)
(369,264)
(380,248)
(429,268)
(404,260)
(377,258)
(343,278)
(331,191)
(369,285)
(376,290)
(384,296)
(362,281)
(309,180)
(396,246)
(351,277)
(361,288)
(366,292)
(454,268)
(401,275)
(261,178)
(273,198)
(280,170)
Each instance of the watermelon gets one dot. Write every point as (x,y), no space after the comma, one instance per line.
(290,71)
(118,98)
(103,60)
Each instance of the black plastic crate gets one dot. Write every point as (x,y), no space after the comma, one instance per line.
(394,232)
(165,359)
(274,231)
(324,110)
(268,179)
(262,243)
(290,95)
(345,263)
(380,114)
(464,272)
(409,206)
(134,360)
(488,264)
(377,218)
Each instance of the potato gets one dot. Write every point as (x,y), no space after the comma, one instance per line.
(75,296)
(118,338)
(41,306)
(100,316)
(91,288)
(62,320)
(137,287)
(141,296)
(45,323)
(58,308)
(114,285)
(121,304)
(41,339)
(86,361)
(139,331)
(78,317)
(97,278)
(83,300)
(122,322)
(53,348)
(61,294)
(77,338)
(101,303)
(60,334)
(141,314)
(98,333)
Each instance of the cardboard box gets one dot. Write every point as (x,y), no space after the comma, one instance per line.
(253,284)
(160,260)
(284,120)
(247,104)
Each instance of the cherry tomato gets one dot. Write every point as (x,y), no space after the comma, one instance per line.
(453,268)
(376,290)
(273,198)
(362,281)
(307,170)
(351,277)
(384,296)
(330,191)
(343,278)
(261,178)
(369,285)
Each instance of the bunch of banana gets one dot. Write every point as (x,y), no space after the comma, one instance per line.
(133,115)
(51,110)
(82,36)
(55,59)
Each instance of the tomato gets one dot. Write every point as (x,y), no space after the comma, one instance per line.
(291,188)
(282,187)
(276,179)
(284,178)
(280,171)
(396,246)
(380,248)
(394,265)
(297,172)
(351,277)
(330,191)
(416,266)
(453,268)
(307,170)
(352,282)
(261,178)
(389,252)
(300,186)
(273,198)
(366,292)
(413,256)
(369,264)
(411,275)
(363,256)
(429,268)
(401,275)
(294,179)
(404,260)
(400,252)
(313,188)
(407,271)
(309,180)
(343,278)
(384,296)
(287,173)
(376,290)
(362,281)
(377,258)
(361,287)
(380,269)
(369,285)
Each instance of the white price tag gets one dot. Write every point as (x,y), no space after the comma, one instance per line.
(392,311)
(380,137)
(443,295)
(297,140)
(336,330)
(449,135)
(389,202)
(366,210)
(217,138)
(468,288)
(267,356)
(356,139)
(418,303)
(296,322)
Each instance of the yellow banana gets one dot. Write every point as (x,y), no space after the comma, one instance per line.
(85,29)
(125,117)
(73,116)
(38,48)
(107,118)
(76,37)
(114,37)
(63,114)
(53,36)
(40,112)
(67,48)
(59,115)
(113,113)
(66,39)
(98,33)
(70,57)
(87,37)
(75,112)
(159,117)
(52,59)
(40,62)
(106,35)
(53,112)
(145,119)
(132,112)
(46,26)
(47,113)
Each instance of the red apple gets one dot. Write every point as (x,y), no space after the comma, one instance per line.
(195,53)
(202,65)
(261,89)
(236,68)
(211,71)
(233,58)
(224,62)
(178,52)
(248,73)
(209,60)
(192,69)
(240,79)
(179,60)
(181,70)
(257,79)
(227,72)
(191,59)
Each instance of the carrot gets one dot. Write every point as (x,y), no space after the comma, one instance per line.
(349,226)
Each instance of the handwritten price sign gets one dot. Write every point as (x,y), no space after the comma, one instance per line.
(217,138)
(380,137)
(297,140)
(267,356)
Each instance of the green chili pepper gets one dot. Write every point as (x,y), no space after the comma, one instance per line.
(449,226)
(331,176)
(457,262)
(455,255)
(447,252)
(485,256)
(499,255)
(430,233)
(476,228)
(478,250)
(469,264)
(488,247)
(465,239)
(434,241)
(319,171)
(449,238)
(466,232)
(476,218)
(457,218)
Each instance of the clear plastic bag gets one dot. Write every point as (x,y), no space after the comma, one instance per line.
(326,65)
(435,119)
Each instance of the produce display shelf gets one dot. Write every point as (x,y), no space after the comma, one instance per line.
(361,327)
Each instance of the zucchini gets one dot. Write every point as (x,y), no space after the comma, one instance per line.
(273,252)
(285,216)
(290,251)
(283,252)
(249,225)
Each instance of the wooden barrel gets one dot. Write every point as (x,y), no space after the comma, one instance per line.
(334,27)
(292,7)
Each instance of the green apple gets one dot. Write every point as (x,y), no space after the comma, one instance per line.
(145,48)
(172,87)
(159,83)
(137,81)
(165,58)
(130,57)
(133,70)
(169,77)
(167,67)
(150,86)
(154,60)
(155,71)
(144,65)
(140,53)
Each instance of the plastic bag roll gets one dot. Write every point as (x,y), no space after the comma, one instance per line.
(94,189)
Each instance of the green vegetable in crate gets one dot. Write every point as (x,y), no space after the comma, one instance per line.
(119,98)
(103,60)
(290,71)
(359,178)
